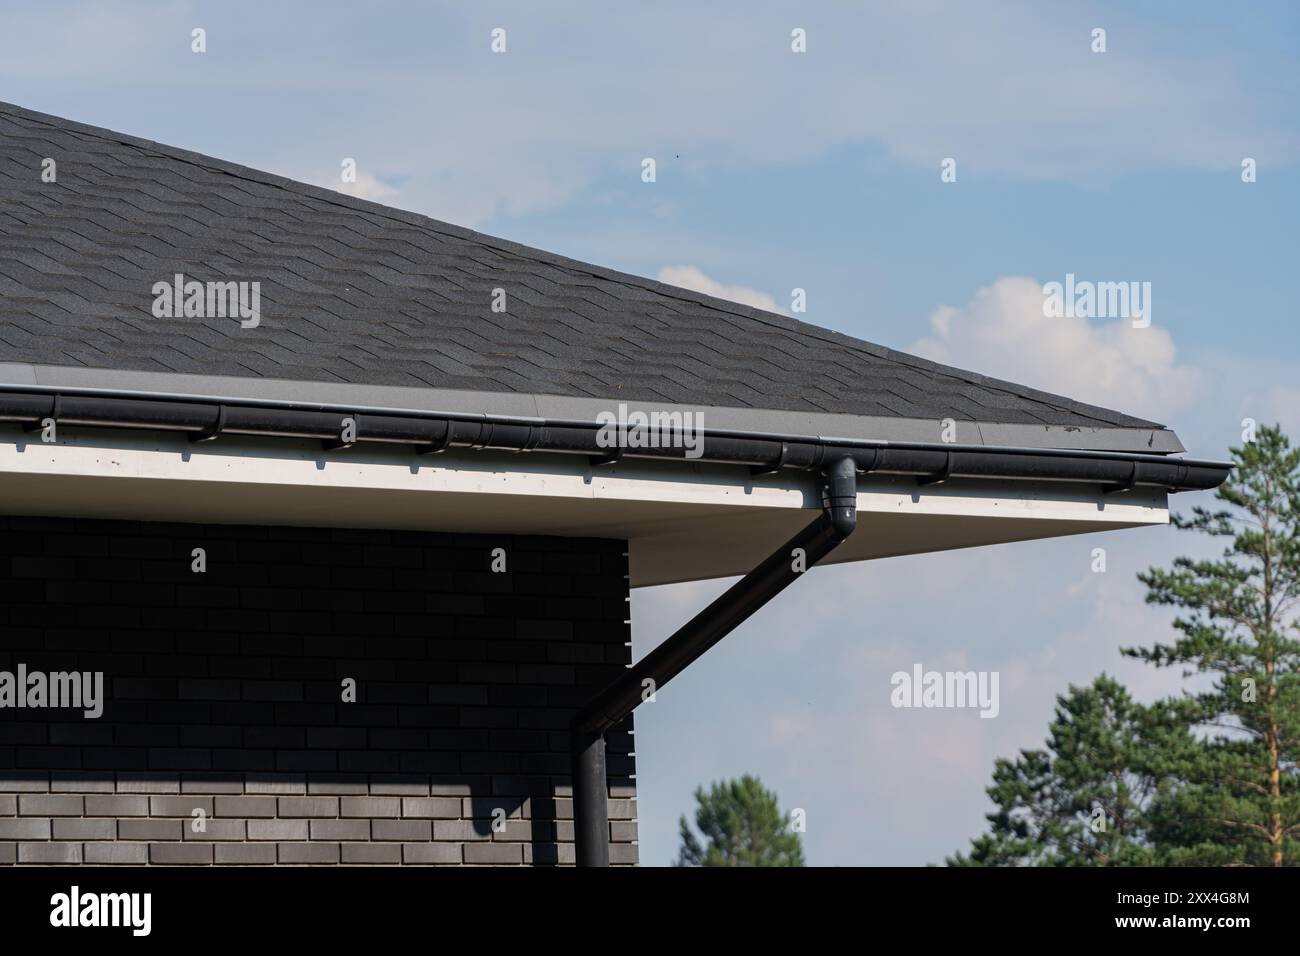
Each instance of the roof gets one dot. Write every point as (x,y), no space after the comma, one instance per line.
(359,299)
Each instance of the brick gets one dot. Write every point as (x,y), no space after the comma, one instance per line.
(215,829)
(8,805)
(401,830)
(461,830)
(309,807)
(497,854)
(442,807)
(20,829)
(181,806)
(84,829)
(110,854)
(8,853)
(49,853)
(244,806)
(426,854)
(340,829)
(117,806)
(370,807)
(245,854)
(372,853)
(180,854)
(277,829)
(148,829)
(50,805)
(310,853)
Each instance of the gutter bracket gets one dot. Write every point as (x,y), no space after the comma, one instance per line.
(209,434)
(941,476)
(334,444)
(757,470)
(53,416)
(437,447)
(610,458)
(1128,485)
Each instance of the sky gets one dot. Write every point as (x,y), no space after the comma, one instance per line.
(819,170)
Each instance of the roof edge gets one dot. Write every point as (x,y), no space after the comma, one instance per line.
(395,399)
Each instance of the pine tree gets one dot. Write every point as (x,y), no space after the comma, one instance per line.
(743,826)
(1237,796)
(1083,800)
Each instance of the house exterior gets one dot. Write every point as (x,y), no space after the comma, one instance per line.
(332,511)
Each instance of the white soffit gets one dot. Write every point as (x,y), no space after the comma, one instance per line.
(682,522)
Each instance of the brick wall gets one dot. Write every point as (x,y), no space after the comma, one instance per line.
(224,694)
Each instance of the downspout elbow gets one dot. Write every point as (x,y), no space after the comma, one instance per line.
(840,497)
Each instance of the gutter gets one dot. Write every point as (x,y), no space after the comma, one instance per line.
(205,419)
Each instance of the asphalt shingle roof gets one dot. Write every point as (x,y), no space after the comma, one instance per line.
(359,293)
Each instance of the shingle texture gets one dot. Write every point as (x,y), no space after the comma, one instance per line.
(359,293)
(223,694)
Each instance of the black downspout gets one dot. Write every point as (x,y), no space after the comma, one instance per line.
(742,599)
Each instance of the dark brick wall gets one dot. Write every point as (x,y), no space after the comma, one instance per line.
(223,694)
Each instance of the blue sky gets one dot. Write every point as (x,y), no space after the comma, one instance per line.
(820,171)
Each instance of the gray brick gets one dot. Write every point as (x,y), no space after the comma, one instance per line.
(460,830)
(339,788)
(309,806)
(370,807)
(106,854)
(8,853)
(314,853)
(623,853)
(399,788)
(84,829)
(401,830)
(24,786)
(60,783)
(182,806)
(277,829)
(447,808)
(376,853)
(277,786)
(246,854)
(8,805)
(180,854)
(50,805)
(131,783)
(494,853)
(49,853)
(215,829)
(147,829)
(621,831)
(622,809)
(20,829)
(431,853)
(244,806)
(340,829)
(117,806)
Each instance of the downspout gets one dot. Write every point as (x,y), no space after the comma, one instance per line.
(742,599)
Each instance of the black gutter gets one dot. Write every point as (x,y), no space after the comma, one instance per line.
(429,432)
(724,615)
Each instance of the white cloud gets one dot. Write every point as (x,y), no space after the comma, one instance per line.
(689,277)
(1002,89)
(1002,332)
(366,186)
